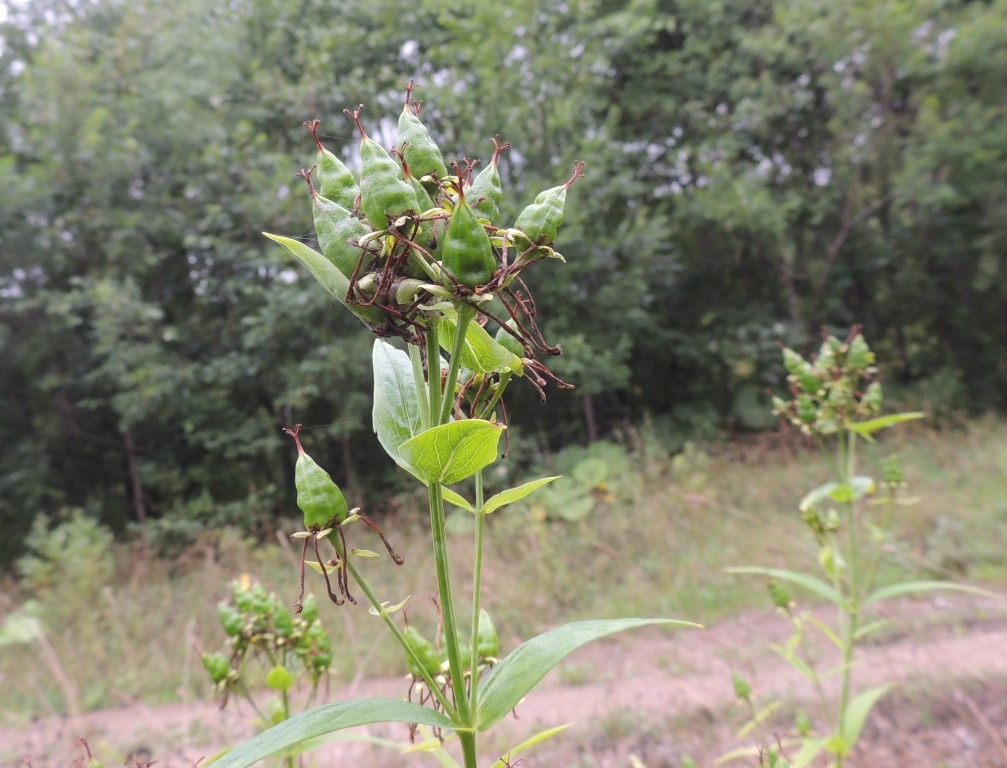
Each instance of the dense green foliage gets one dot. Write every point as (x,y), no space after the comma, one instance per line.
(754,170)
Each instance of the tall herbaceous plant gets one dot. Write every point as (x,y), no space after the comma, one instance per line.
(415,248)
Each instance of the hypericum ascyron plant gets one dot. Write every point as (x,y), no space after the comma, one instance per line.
(417,253)
(261,629)
(835,401)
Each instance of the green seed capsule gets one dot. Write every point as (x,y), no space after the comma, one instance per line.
(422,154)
(335,227)
(334,179)
(508,342)
(541,220)
(807,411)
(859,355)
(779,595)
(383,191)
(741,687)
(280,679)
(319,498)
(486,192)
(424,651)
(283,621)
(422,196)
(309,608)
(230,619)
(216,664)
(489,642)
(467,253)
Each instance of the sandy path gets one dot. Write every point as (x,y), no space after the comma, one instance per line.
(653,673)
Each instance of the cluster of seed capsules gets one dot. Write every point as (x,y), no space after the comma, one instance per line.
(259,625)
(836,388)
(410,232)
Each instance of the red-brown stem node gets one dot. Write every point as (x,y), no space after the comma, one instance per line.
(578,171)
(409,89)
(391,552)
(355,114)
(296,434)
(498,148)
(462,176)
(306,175)
(312,125)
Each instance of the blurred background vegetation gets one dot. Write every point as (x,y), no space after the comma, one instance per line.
(756,169)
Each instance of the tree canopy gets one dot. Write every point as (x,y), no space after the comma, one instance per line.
(756,169)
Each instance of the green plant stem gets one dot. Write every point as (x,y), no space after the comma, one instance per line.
(465,315)
(434,688)
(488,410)
(477,585)
(424,405)
(447,602)
(848,453)
(433,373)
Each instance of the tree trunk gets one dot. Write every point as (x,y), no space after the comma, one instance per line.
(592,424)
(134,475)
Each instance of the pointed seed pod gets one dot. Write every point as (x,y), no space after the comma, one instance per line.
(508,342)
(467,253)
(424,651)
(309,608)
(230,619)
(422,196)
(383,191)
(335,180)
(335,226)
(541,220)
(216,664)
(421,152)
(486,192)
(283,621)
(741,687)
(859,356)
(319,498)
(488,644)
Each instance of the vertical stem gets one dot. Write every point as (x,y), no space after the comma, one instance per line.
(373,600)
(448,603)
(289,759)
(434,372)
(424,405)
(853,609)
(465,315)
(477,585)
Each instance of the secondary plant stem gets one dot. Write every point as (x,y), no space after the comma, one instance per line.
(465,315)
(434,688)
(477,585)
(424,406)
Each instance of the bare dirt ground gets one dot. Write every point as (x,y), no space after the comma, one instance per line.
(655,695)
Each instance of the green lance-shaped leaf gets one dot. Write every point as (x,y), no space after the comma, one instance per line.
(452,452)
(512,495)
(335,180)
(420,151)
(868,428)
(396,412)
(457,500)
(812,584)
(508,682)
(856,715)
(384,192)
(915,587)
(481,353)
(326,719)
(541,220)
(326,273)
